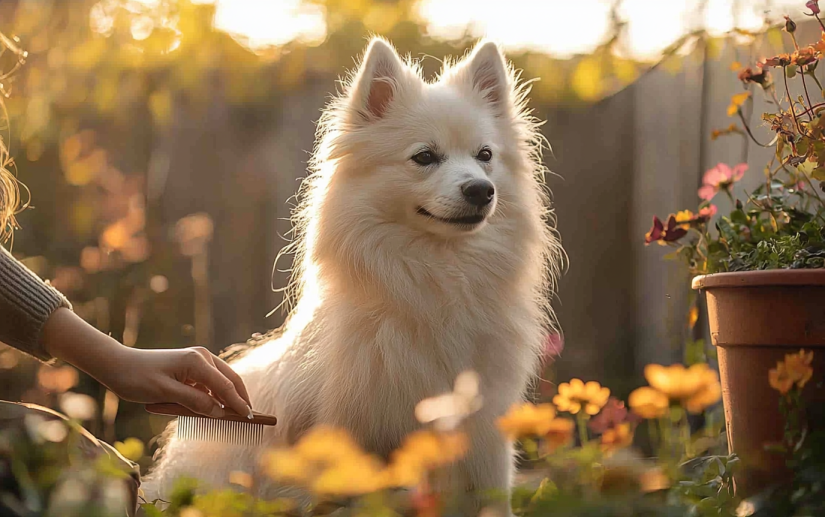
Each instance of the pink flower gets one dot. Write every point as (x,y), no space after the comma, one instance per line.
(813,5)
(707,212)
(611,416)
(719,178)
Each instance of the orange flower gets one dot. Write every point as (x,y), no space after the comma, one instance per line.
(736,102)
(779,60)
(617,437)
(696,387)
(328,461)
(648,403)
(779,379)
(795,369)
(527,420)
(423,451)
(819,46)
(804,56)
(799,367)
(575,394)
(560,434)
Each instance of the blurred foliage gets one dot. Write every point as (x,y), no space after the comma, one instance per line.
(686,476)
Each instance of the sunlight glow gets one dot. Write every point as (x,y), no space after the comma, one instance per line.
(264,23)
(562,28)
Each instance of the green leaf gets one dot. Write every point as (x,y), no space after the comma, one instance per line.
(547,489)
(150,510)
(739,217)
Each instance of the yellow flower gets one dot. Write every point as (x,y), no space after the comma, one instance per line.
(287,465)
(736,102)
(779,378)
(617,437)
(131,448)
(327,443)
(527,420)
(796,368)
(648,403)
(572,396)
(696,387)
(362,475)
(799,367)
(560,434)
(693,316)
(423,451)
(329,462)
(684,217)
(706,397)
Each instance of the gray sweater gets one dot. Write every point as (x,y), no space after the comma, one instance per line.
(26,302)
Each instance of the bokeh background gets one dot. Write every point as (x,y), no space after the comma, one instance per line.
(163,141)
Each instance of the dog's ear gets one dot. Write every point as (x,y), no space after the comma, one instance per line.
(485,70)
(376,82)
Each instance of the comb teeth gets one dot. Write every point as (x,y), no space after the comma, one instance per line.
(226,431)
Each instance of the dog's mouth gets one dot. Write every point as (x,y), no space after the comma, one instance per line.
(464,220)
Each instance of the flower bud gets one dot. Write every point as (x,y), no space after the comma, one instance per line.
(790,25)
(813,5)
(739,204)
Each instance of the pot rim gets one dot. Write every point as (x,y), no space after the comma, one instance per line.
(767,277)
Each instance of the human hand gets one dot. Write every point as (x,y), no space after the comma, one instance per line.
(191,377)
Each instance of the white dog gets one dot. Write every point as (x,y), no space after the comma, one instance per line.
(424,248)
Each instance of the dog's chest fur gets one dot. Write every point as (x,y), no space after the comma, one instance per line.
(371,355)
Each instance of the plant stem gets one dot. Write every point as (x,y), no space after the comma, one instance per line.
(821,203)
(684,428)
(805,86)
(748,129)
(820,22)
(653,435)
(813,76)
(790,100)
(581,423)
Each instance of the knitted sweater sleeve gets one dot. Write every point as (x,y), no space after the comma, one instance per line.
(26,302)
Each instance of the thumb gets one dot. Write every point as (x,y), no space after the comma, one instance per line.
(194,399)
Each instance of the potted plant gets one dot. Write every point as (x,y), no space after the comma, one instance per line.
(762,266)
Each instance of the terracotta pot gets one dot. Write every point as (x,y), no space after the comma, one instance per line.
(755,318)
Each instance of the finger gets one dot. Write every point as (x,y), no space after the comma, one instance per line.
(207,355)
(200,387)
(203,372)
(230,374)
(194,399)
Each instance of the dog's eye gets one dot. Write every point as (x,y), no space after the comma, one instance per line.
(485,155)
(424,158)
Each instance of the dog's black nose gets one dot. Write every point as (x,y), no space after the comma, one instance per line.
(478,192)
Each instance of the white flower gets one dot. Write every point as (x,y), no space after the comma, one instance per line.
(446,411)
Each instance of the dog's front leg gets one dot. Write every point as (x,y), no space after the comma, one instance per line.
(488,469)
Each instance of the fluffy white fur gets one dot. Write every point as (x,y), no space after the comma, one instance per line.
(391,305)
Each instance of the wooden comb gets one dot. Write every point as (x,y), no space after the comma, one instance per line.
(231,428)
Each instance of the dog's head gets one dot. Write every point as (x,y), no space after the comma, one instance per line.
(438,157)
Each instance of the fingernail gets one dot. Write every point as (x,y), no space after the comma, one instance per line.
(249,416)
(217,412)
(221,405)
